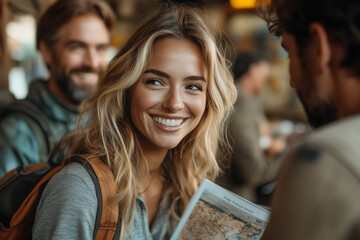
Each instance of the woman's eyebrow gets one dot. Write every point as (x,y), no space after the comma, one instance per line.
(164,74)
(157,72)
(196,78)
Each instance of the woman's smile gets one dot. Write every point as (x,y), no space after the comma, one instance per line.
(170,122)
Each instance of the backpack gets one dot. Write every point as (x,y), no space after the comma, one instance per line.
(21,190)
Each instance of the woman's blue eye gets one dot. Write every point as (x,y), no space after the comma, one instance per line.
(194,87)
(154,82)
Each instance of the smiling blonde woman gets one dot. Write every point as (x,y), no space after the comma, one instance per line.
(157,121)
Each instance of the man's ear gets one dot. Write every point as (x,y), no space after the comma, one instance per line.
(46,52)
(326,56)
(322,46)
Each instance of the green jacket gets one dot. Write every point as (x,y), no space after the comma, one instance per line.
(21,140)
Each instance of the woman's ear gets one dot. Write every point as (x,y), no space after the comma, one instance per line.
(46,52)
(322,46)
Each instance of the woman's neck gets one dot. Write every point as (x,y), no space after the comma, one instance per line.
(154,158)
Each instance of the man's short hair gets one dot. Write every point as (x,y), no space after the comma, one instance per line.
(243,61)
(63,11)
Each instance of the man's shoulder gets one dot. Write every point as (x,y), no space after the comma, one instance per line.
(343,135)
(22,112)
(340,140)
(341,128)
(25,110)
(326,158)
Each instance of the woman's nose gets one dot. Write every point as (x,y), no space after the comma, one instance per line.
(174,101)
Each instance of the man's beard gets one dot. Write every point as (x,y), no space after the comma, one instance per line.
(77,93)
(321,114)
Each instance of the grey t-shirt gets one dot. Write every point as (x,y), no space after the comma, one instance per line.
(67,210)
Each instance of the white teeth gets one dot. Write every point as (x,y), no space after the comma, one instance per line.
(88,76)
(168,122)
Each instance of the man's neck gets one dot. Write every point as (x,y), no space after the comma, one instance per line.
(347,93)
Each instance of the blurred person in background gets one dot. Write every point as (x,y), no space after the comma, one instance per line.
(255,158)
(318,194)
(73,37)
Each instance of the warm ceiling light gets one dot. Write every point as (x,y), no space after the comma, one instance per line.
(242,4)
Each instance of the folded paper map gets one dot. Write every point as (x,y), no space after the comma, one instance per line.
(216,213)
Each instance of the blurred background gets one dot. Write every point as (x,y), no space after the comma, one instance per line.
(20,61)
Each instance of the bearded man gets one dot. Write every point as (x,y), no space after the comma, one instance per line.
(317,195)
(73,38)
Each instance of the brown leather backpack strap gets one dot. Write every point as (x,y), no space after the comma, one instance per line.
(110,208)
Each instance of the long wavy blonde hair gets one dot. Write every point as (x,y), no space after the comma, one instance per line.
(110,134)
